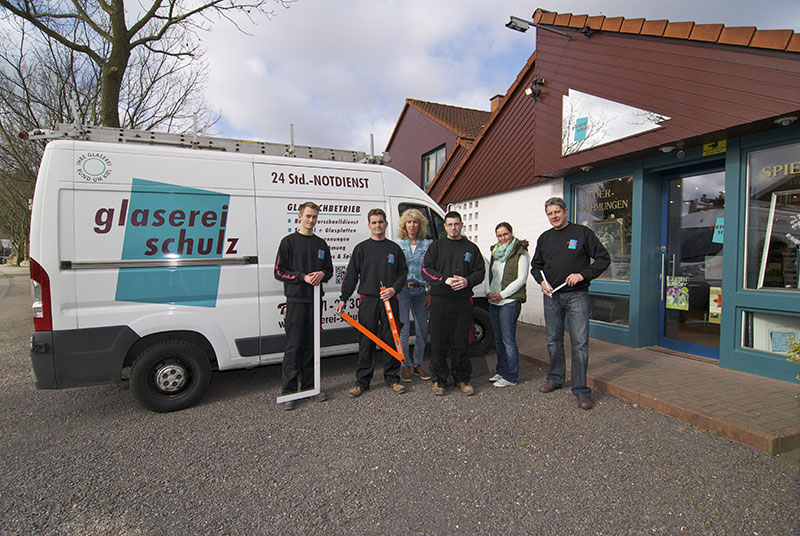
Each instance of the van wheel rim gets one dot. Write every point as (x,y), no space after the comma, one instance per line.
(477,330)
(171,377)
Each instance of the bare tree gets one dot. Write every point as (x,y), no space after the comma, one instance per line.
(112,37)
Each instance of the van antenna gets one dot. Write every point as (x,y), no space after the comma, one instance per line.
(372,147)
(290,152)
(194,130)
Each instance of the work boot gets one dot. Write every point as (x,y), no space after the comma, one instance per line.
(398,388)
(405,374)
(355,392)
(419,371)
(466,388)
(438,389)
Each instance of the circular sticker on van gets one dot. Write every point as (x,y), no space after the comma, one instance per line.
(93,167)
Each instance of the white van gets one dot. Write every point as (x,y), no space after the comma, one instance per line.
(155,263)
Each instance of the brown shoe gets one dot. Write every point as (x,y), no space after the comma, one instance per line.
(355,392)
(398,388)
(585,403)
(547,388)
(438,389)
(419,371)
(466,388)
(405,374)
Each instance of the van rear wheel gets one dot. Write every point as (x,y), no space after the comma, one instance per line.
(170,376)
(483,336)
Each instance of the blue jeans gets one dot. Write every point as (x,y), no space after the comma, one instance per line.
(412,300)
(575,307)
(504,323)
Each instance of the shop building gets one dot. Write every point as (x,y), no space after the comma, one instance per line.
(679,144)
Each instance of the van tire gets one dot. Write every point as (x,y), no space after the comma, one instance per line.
(170,375)
(483,335)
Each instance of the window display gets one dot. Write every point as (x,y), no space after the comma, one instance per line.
(606,207)
(773,219)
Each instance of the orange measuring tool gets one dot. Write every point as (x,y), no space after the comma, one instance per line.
(393,325)
(396,352)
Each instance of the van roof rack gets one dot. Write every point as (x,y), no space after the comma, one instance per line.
(195,141)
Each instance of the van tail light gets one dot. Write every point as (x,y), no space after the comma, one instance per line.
(40,289)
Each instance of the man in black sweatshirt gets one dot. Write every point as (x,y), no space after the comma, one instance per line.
(453,265)
(303,262)
(567,258)
(375,262)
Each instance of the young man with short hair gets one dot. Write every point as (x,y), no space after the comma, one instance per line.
(303,262)
(452,265)
(375,262)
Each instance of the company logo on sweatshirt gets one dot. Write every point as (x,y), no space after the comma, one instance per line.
(572,244)
(390,258)
(467,256)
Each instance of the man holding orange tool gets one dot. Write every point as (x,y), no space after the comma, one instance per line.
(373,262)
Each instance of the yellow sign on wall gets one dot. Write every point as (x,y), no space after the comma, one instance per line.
(715,147)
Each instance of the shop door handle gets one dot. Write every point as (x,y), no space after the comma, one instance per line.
(663,267)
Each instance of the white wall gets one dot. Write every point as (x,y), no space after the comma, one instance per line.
(523,208)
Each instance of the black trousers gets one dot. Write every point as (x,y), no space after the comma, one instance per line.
(298,357)
(450,320)
(372,315)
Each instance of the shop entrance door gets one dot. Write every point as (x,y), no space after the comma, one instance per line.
(691,261)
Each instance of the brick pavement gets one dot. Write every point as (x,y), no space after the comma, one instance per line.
(759,412)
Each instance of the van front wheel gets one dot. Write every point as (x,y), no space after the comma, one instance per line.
(170,376)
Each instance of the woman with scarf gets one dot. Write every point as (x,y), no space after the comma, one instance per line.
(508,274)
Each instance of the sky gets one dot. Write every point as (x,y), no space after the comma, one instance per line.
(340,71)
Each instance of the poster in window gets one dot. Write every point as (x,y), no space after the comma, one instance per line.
(714,304)
(677,293)
(611,235)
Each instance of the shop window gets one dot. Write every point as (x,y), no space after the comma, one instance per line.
(609,309)
(769,332)
(772,252)
(431,163)
(606,207)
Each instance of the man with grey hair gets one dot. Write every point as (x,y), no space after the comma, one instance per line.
(567,258)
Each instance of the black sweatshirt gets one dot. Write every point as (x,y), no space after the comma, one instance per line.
(298,255)
(569,251)
(446,258)
(373,262)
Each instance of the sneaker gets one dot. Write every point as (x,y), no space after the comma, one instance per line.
(466,388)
(495,378)
(398,388)
(419,371)
(289,406)
(502,382)
(438,389)
(321,397)
(355,392)
(405,374)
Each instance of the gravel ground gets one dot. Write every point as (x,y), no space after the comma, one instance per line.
(505,461)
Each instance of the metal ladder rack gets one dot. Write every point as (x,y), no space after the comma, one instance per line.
(194,141)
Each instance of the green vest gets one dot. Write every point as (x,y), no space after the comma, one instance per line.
(511,271)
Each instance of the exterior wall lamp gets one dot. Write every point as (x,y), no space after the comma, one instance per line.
(522,25)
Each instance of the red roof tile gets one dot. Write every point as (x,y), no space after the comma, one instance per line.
(737,36)
(786,40)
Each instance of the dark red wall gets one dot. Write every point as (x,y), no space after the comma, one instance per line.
(416,135)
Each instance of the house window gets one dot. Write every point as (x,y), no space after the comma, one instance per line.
(431,163)
(773,219)
(606,208)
